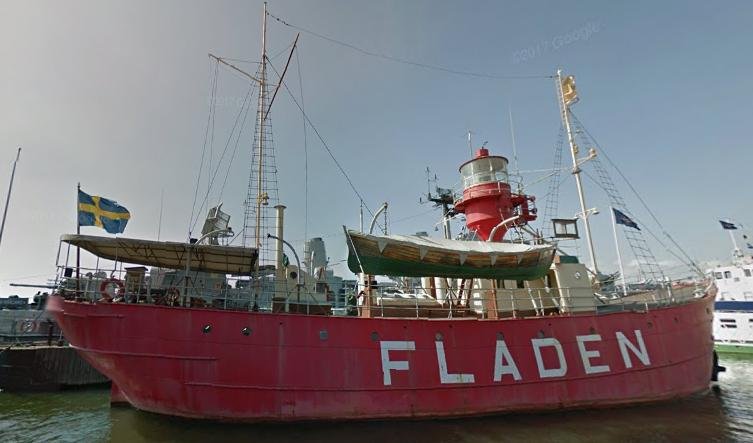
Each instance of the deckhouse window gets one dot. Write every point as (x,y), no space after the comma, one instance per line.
(747,272)
(718,275)
(727,274)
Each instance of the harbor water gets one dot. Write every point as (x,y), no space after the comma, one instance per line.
(724,413)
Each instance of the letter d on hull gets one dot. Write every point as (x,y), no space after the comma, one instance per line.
(539,343)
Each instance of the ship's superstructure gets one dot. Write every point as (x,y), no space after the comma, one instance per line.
(733,319)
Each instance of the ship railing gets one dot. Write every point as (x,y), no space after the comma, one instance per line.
(158,286)
(169,287)
(502,303)
(166,287)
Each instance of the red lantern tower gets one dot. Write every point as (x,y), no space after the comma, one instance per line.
(487,200)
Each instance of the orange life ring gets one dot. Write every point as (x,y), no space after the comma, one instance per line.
(28,326)
(106,284)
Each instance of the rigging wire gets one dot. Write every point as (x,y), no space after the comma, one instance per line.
(552,192)
(399,220)
(232,157)
(645,226)
(224,151)
(305,155)
(410,62)
(402,219)
(282,51)
(277,54)
(324,143)
(690,261)
(240,60)
(212,100)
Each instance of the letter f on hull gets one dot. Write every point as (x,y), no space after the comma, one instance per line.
(394,365)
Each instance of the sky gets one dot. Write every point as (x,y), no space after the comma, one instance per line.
(115,95)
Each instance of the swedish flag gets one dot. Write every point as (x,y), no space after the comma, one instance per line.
(101,212)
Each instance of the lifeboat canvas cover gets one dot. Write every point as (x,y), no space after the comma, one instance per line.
(234,260)
(414,256)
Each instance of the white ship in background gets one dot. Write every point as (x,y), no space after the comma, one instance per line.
(733,316)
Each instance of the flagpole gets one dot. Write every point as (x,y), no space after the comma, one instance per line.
(161,204)
(10,188)
(78,248)
(619,256)
(737,252)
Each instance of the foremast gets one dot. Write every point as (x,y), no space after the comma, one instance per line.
(262,194)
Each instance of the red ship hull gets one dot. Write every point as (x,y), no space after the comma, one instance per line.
(201,363)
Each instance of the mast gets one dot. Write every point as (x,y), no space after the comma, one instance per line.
(585,213)
(262,192)
(260,116)
(10,188)
(262,182)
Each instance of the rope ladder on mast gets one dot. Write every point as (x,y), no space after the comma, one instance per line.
(648,267)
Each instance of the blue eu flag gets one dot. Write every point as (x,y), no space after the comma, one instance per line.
(727,225)
(101,212)
(622,219)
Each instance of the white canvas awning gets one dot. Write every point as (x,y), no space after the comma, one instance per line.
(173,255)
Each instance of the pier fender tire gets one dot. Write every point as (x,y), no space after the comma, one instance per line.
(103,287)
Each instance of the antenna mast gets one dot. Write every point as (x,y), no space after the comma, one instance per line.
(516,169)
(470,143)
(585,213)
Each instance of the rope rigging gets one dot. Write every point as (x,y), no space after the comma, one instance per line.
(305,155)
(552,194)
(406,61)
(643,225)
(233,138)
(688,261)
(212,100)
(323,142)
